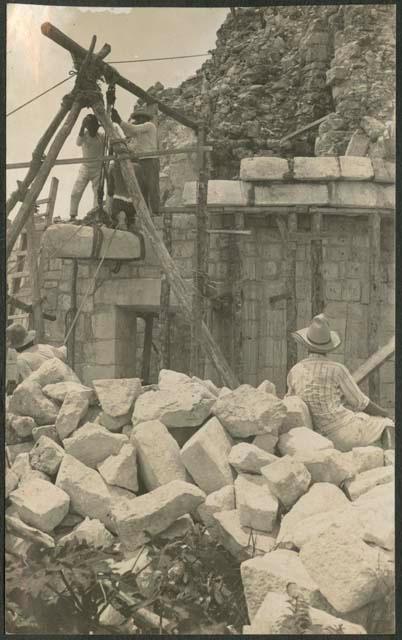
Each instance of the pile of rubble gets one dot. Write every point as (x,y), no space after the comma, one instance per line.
(119,462)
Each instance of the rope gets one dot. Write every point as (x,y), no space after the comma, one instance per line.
(88,289)
(195,55)
(40,95)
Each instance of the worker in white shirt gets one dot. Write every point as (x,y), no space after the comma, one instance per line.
(142,135)
(30,356)
(92,143)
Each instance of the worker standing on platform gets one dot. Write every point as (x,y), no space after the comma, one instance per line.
(142,135)
(30,356)
(91,140)
(122,209)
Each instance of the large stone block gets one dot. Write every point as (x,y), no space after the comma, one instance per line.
(48,430)
(88,493)
(383,171)
(205,456)
(92,444)
(220,192)
(158,454)
(292,194)
(53,371)
(302,440)
(73,410)
(40,504)
(117,397)
(367,480)
(154,512)
(386,196)
(168,378)
(246,411)
(297,415)
(322,168)
(247,458)
(59,390)
(257,506)
(121,469)
(241,542)
(46,456)
(23,425)
(365,458)
(287,479)
(348,572)
(28,399)
(353,194)
(217,501)
(266,441)
(187,405)
(355,168)
(263,168)
(328,465)
(91,531)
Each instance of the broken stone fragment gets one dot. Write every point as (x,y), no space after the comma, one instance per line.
(327,465)
(247,458)
(48,430)
(179,528)
(287,479)
(92,444)
(380,532)
(158,454)
(21,465)
(365,481)
(241,542)
(53,371)
(185,405)
(110,617)
(88,492)
(365,458)
(348,572)
(257,506)
(248,411)
(298,414)
(121,469)
(267,387)
(266,441)
(23,425)
(12,481)
(274,617)
(152,513)
(389,457)
(59,390)
(346,517)
(73,410)
(13,450)
(220,500)
(46,456)
(205,456)
(28,399)
(114,424)
(224,392)
(273,573)
(40,504)
(168,378)
(91,531)
(208,384)
(302,441)
(19,528)
(117,397)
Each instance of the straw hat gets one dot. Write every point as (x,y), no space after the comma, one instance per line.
(19,336)
(318,335)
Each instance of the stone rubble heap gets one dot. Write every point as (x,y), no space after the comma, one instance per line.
(122,463)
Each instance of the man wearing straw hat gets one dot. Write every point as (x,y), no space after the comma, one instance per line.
(340,410)
(30,356)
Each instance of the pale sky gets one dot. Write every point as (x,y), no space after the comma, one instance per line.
(34,63)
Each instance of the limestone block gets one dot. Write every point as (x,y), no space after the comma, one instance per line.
(12,481)
(267,386)
(389,457)
(379,495)
(217,501)
(372,127)
(186,405)
(168,378)
(29,400)
(348,572)
(366,480)
(220,192)
(263,168)
(247,412)
(386,196)
(365,458)
(208,384)
(17,526)
(73,410)
(298,414)
(88,493)
(327,465)
(272,573)
(383,171)
(158,454)
(14,450)
(224,392)
(380,532)
(355,168)
(321,497)
(302,440)
(257,506)
(205,456)
(121,469)
(120,495)
(114,424)
(322,168)
(358,144)
(154,512)
(53,371)
(40,504)
(91,531)
(353,194)
(247,458)
(92,444)
(266,441)
(23,425)
(71,520)
(287,479)
(291,194)
(48,430)
(59,390)
(178,528)
(117,396)
(241,542)
(46,456)
(346,517)
(274,617)
(21,465)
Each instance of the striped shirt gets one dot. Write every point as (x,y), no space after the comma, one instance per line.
(329,391)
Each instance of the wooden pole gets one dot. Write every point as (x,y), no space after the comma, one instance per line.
(164,316)
(290,286)
(374,361)
(71,315)
(34,279)
(167,263)
(19,304)
(112,75)
(41,177)
(374,316)
(147,349)
(37,157)
(317,279)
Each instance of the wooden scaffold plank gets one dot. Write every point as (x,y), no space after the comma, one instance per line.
(374,315)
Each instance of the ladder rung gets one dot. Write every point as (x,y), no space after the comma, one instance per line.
(43,201)
(233,232)
(20,252)
(19,274)
(20,316)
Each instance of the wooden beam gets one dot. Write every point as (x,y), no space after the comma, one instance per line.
(298,132)
(147,349)
(375,361)
(290,286)
(167,263)
(41,177)
(230,232)
(164,316)
(112,75)
(374,310)
(19,304)
(316,261)
(34,280)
